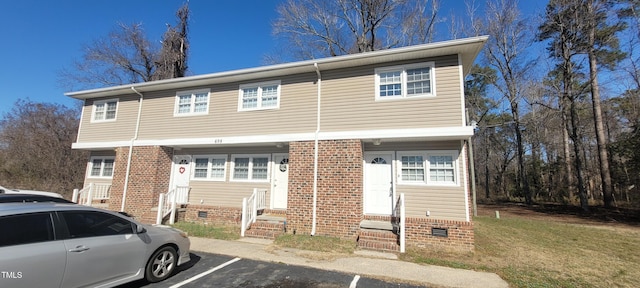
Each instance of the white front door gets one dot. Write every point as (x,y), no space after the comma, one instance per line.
(280,181)
(378,189)
(180,175)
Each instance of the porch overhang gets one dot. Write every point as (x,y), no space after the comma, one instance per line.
(386,135)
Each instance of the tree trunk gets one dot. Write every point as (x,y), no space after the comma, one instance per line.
(601,140)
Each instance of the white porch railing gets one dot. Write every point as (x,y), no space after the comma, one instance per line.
(168,202)
(399,216)
(250,207)
(91,192)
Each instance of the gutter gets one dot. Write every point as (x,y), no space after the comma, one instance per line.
(315,155)
(135,137)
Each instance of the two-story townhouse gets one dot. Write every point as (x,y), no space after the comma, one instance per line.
(334,142)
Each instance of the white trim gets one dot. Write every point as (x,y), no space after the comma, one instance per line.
(250,168)
(259,86)
(403,81)
(192,94)
(441,133)
(103,158)
(84,103)
(104,118)
(465,178)
(455,154)
(209,158)
(463,102)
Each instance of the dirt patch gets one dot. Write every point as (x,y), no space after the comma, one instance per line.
(597,216)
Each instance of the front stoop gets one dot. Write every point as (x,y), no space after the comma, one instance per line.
(378,235)
(267,227)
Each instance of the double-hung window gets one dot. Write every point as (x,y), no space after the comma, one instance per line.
(105,110)
(209,167)
(101,167)
(192,103)
(415,80)
(428,167)
(250,167)
(259,96)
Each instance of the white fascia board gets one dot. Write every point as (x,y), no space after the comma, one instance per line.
(99,145)
(463,132)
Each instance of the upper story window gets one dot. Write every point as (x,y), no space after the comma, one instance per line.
(194,102)
(104,110)
(250,167)
(101,167)
(406,81)
(210,167)
(428,167)
(259,96)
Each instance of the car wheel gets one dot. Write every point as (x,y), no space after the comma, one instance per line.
(162,264)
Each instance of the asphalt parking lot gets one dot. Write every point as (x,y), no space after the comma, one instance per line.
(211,270)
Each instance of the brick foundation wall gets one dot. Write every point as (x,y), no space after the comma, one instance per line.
(418,233)
(339,195)
(215,214)
(148,177)
(460,234)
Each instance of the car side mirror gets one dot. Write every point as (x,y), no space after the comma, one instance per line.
(140,229)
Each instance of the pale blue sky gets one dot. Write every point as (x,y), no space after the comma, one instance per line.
(40,38)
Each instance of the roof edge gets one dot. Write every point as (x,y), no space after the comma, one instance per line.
(293,67)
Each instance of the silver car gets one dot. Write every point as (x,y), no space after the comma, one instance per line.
(69,245)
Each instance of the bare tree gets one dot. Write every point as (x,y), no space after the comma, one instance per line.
(35,148)
(318,28)
(172,59)
(126,55)
(505,51)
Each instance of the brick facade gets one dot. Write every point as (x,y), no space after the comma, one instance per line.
(148,177)
(340,188)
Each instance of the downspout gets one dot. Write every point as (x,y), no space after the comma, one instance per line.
(315,155)
(135,137)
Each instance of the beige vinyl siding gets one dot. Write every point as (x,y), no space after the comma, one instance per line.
(224,194)
(348,104)
(349,100)
(228,193)
(295,115)
(443,202)
(122,129)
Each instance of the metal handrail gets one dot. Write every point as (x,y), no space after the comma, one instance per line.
(398,219)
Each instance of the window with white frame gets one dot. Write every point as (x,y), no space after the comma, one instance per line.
(192,103)
(259,96)
(101,167)
(209,167)
(406,81)
(105,110)
(428,167)
(250,167)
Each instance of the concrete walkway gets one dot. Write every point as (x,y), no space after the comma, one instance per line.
(363,263)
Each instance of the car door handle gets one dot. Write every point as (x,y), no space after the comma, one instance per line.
(79,249)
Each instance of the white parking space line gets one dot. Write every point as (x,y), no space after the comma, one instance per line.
(194,278)
(354,283)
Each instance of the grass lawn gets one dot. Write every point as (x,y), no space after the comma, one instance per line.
(542,253)
(524,251)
